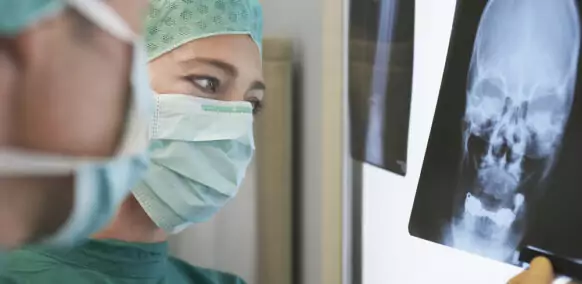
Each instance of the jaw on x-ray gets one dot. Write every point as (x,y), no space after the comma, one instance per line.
(519,96)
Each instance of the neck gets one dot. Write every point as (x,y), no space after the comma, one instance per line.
(132,224)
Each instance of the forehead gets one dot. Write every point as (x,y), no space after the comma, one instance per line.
(239,50)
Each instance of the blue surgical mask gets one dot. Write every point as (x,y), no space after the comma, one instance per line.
(199,154)
(100,184)
(16,16)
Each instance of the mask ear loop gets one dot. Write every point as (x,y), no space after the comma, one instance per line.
(105,17)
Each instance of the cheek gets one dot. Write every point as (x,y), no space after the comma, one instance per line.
(79,81)
(171,85)
(165,80)
(8,75)
(235,93)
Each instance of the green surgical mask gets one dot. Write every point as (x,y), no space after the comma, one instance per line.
(17,15)
(199,155)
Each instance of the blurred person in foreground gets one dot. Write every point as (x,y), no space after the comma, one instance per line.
(206,70)
(74,109)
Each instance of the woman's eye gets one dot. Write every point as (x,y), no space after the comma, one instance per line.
(257,105)
(206,83)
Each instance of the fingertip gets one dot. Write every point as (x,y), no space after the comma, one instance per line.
(541,262)
(542,267)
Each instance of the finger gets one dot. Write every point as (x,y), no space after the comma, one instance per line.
(541,268)
(539,272)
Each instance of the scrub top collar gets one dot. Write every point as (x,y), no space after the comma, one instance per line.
(116,258)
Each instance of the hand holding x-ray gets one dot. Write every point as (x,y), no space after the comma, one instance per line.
(539,272)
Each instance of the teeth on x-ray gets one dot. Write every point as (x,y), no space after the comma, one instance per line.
(519,97)
(502,218)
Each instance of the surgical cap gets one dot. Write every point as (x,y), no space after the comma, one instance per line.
(172,23)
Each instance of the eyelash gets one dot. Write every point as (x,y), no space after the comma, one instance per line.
(257,105)
(213,83)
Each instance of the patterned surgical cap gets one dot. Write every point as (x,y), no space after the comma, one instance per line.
(172,23)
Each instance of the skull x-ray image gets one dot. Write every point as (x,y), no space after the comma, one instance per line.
(381,46)
(506,135)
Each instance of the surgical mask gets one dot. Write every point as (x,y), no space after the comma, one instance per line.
(16,16)
(100,183)
(199,154)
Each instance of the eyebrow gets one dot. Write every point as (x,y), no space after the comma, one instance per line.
(228,68)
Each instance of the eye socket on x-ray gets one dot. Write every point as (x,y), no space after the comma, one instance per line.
(545,101)
(488,88)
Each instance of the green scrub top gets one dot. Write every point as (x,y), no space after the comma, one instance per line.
(107,262)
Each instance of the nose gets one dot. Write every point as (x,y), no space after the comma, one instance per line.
(509,133)
(234,93)
(502,149)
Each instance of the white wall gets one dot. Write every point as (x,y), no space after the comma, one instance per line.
(391,255)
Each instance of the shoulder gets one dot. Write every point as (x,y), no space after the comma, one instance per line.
(204,275)
(29,260)
(31,266)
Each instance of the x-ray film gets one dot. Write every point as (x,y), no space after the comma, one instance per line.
(380,81)
(501,170)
